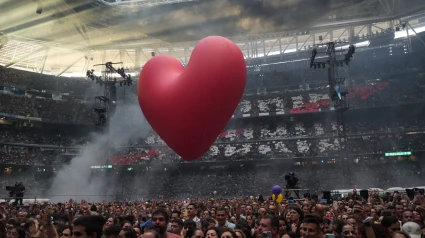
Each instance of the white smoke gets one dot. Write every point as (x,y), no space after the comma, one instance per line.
(76,179)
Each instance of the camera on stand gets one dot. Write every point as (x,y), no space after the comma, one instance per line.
(12,190)
(15,190)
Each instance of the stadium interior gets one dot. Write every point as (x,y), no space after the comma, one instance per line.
(287,121)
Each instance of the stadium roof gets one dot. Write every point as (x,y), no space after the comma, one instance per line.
(102,29)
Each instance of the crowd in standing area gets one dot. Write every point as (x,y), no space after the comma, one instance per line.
(377,216)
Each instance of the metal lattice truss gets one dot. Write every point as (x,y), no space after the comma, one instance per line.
(53,59)
(142,3)
(22,54)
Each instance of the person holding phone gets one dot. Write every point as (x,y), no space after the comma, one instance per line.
(269,227)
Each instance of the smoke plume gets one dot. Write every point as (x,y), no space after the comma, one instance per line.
(76,179)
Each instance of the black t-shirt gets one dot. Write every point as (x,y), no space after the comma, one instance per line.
(20,189)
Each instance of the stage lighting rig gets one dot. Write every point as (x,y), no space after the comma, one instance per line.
(335,84)
(105,105)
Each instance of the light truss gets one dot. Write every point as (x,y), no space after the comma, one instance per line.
(142,3)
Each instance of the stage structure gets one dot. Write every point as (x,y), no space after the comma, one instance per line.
(337,91)
(105,105)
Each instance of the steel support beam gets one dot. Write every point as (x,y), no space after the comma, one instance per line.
(103,52)
(409,40)
(339,37)
(122,55)
(129,56)
(273,45)
(86,65)
(25,56)
(305,42)
(185,55)
(357,34)
(324,37)
(293,38)
(142,3)
(351,34)
(385,6)
(369,29)
(141,50)
(280,48)
(413,29)
(137,59)
(248,53)
(171,50)
(296,43)
(69,66)
(114,57)
(44,61)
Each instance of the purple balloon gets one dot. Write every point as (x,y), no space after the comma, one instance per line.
(276,190)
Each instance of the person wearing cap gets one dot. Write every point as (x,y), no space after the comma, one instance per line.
(413,229)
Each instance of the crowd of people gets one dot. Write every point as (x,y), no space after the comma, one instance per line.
(25,80)
(179,181)
(370,215)
(289,102)
(275,149)
(304,137)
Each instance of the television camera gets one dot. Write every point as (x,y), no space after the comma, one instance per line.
(15,190)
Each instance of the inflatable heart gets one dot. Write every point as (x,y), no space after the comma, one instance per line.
(189,107)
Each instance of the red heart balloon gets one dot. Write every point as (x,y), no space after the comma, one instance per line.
(189,107)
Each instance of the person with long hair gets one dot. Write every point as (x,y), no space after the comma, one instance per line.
(283,226)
